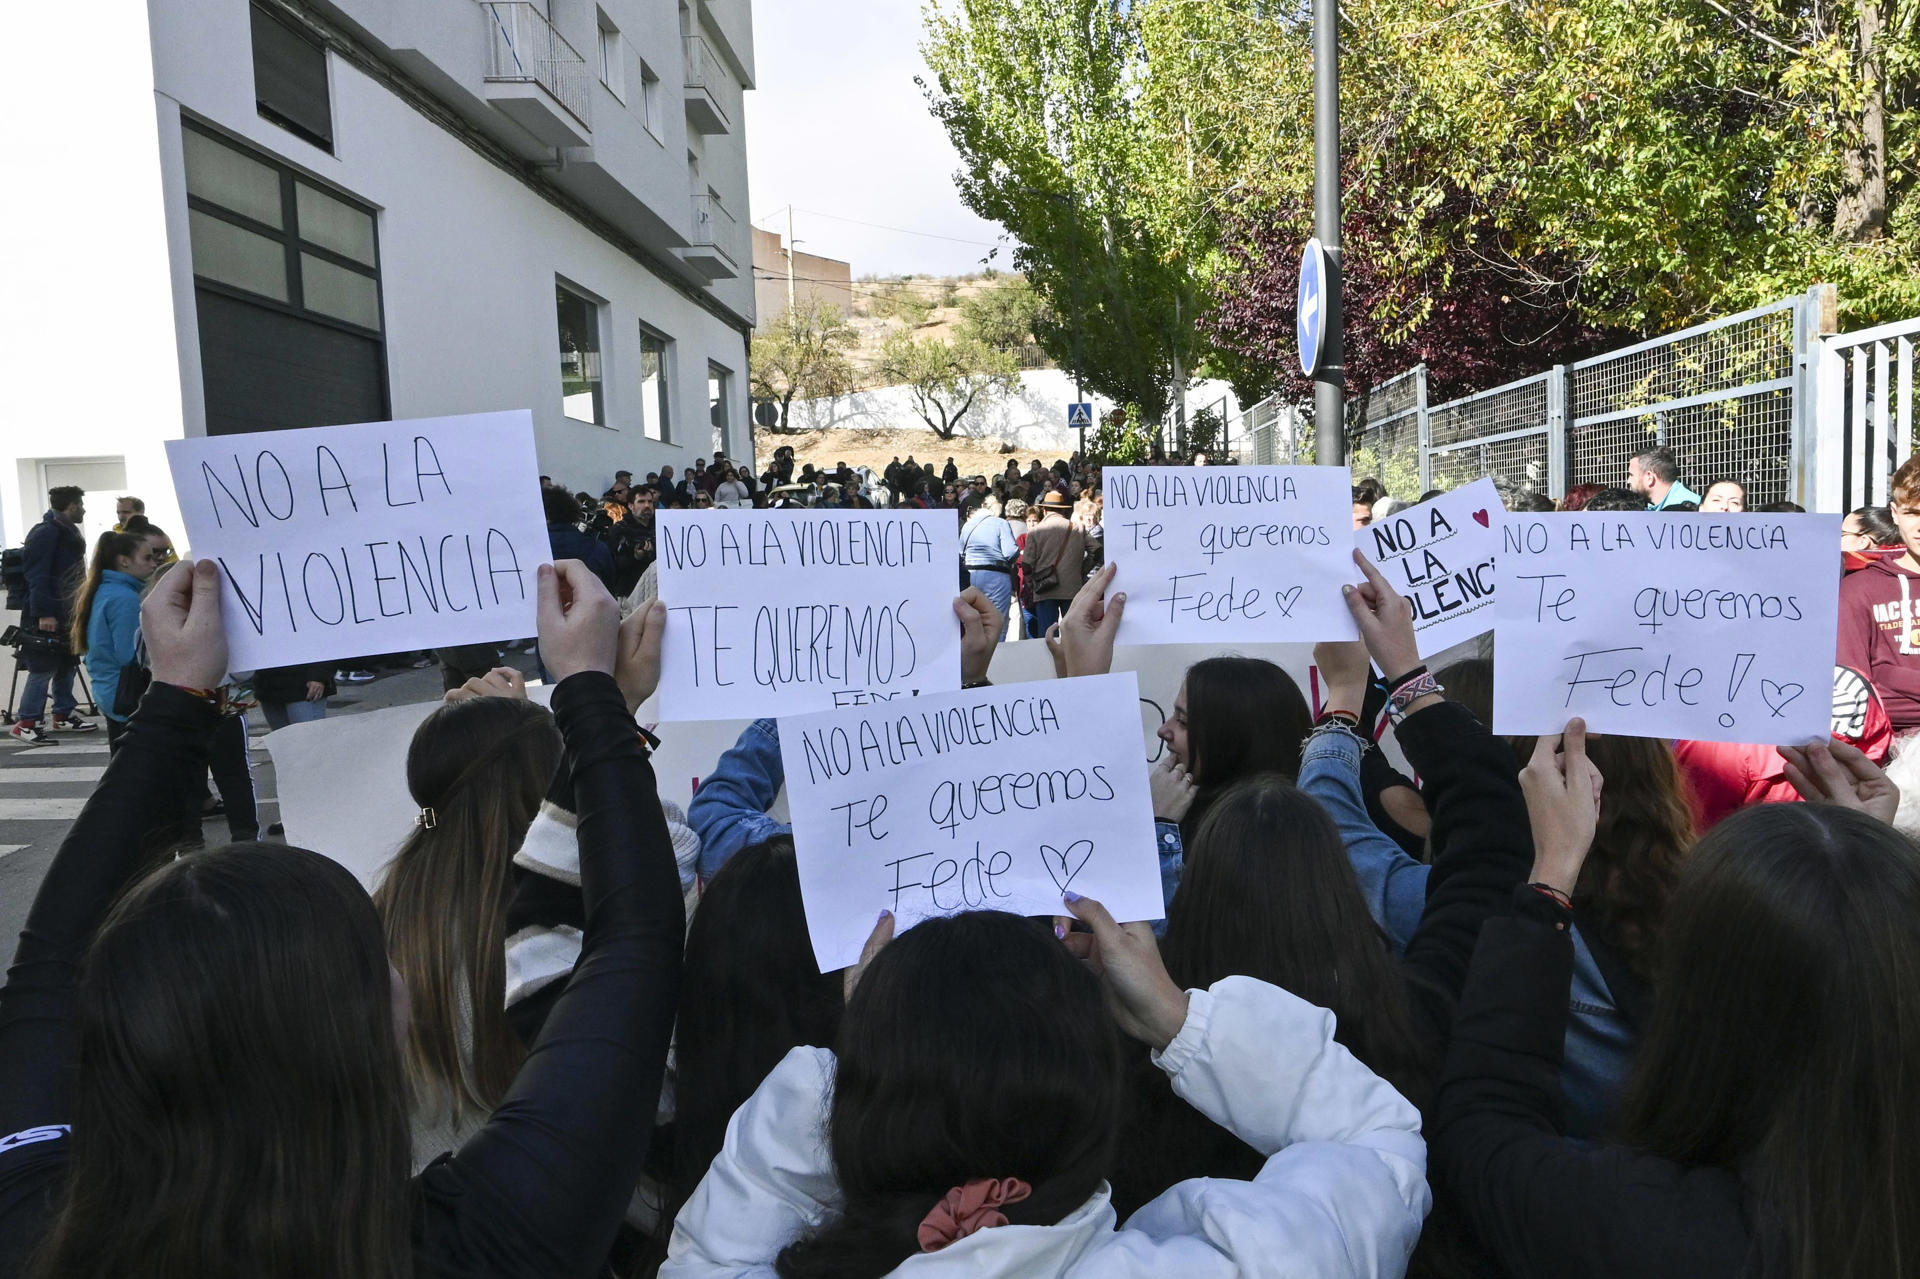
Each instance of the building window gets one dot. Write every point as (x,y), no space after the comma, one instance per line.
(654,418)
(612,58)
(287,289)
(719,393)
(650,100)
(290,79)
(580,395)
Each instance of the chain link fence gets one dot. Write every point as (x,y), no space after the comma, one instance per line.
(1726,397)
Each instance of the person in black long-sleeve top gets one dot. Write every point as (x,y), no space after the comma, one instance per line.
(198,1145)
(1771,1124)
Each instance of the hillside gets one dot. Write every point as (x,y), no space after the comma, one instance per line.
(928,306)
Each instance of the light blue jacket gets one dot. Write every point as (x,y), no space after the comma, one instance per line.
(988,542)
(1599,1045)
(113,635)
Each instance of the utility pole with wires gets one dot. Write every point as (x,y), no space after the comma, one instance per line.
(790,244)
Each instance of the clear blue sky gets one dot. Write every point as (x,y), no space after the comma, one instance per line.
(837,126)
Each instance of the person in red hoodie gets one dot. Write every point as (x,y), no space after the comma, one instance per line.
(1880,614)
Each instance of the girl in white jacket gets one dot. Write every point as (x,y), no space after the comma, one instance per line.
(968,1121)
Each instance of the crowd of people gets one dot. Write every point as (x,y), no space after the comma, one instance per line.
(1566,1006)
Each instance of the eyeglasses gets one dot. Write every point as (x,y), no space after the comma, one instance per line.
(704,500)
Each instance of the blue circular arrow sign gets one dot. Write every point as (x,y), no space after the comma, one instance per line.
(1310,316)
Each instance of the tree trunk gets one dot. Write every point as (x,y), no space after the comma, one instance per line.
(1861,212)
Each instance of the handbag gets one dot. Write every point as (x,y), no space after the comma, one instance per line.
(1045,579)
(135,677)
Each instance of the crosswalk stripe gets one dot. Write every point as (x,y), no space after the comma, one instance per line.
(65,810)
(10,848)
(68,747)
(73,773)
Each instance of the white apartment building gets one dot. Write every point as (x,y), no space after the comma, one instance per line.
(264,214)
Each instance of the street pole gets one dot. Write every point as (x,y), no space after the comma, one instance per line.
(790,259)
(1330,374)
(1073,243)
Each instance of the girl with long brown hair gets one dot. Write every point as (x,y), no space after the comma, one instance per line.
(478,769)
(221,1094)
(1769,1128)
(106,619)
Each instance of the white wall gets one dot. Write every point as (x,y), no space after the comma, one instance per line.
(99,345)
(1033,417)
(469,256)
(87,354)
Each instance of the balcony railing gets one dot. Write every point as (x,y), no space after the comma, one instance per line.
(523,47)
(713,226)
(707,82)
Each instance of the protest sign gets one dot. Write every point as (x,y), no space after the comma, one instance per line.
(997,798)
(364,755)
(374,538)
(787,612)
(1231,553)
(1715,628)
(1439,555)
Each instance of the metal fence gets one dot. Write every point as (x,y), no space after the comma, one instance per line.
(1866,413)
(1723,396)
(1761,397)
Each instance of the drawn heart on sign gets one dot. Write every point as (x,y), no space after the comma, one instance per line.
(1287,599)
(1779,696)
(1064,866)
(1480,518)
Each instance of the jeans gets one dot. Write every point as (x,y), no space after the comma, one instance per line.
(232,770)
(281,714)
(1046,613)
(33,702)
(996,586)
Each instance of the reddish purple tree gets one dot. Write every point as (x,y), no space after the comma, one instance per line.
(1489,322)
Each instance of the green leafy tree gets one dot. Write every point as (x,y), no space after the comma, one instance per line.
(1040,99)
(805,354)
(1654,162)
(946,380)
(1001,316)
(1121,439)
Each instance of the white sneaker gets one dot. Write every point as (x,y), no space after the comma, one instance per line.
(31,735)
(74,724)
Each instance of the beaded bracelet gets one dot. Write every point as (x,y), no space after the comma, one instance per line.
(1410,692)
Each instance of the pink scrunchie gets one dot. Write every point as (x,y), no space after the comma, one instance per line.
(974,1206)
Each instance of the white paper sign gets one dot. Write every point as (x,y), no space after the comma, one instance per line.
(1231,554)
(996,798)
(788,612)
(374,538)
(1439,555)
(364,755)
(1715,628)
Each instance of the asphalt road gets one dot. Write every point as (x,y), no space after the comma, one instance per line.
(42,788)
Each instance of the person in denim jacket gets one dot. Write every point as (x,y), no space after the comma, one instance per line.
(1647,829)
(730,810)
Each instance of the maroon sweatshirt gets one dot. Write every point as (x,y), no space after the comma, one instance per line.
(1880,635)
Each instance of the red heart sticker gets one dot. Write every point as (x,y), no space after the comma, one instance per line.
(1481,516)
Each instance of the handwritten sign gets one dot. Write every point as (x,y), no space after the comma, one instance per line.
(1710,627)
(364,754)
(374,538)
(995,798)
(1211,555)
(1439,554)
(787,612)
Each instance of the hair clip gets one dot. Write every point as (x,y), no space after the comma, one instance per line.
(426,820)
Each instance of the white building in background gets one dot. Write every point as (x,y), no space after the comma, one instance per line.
(1033,417)
(241,215)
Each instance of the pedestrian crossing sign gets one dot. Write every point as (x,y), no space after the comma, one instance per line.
(1079,417)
